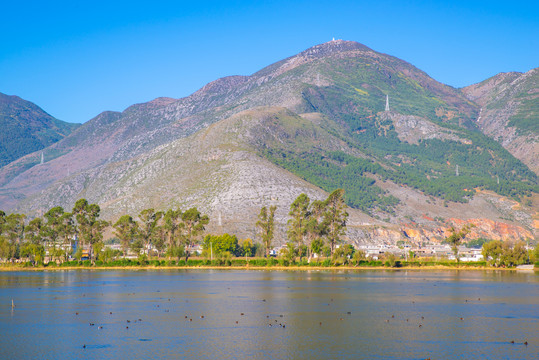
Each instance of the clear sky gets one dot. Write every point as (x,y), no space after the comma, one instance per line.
(77,59)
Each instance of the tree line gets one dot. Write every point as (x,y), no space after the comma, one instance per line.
(313,227)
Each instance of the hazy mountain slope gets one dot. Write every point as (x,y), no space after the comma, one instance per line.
(510,112)
(27,128)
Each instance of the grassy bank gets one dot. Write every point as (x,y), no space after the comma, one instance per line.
(257,263)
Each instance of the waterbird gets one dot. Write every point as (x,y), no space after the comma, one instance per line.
(202,316)
(526,343)
(512,341)
(392,316)
(349,313)
(100,327)
(127,327)
(84,346)
(92,324)
(420,325)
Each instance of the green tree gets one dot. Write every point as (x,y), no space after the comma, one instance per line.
(80,211)
(33,247)
(456,237)
(316,246)
(220,244)
(126,229)
(335,216)
(297,224)
(68,231)
(14,233)
(53,231)
(503,253)
(247,247)
(316,227)
(172,225)
(89,227)
(266,226)
(149,219)
(194,224)
(492,252)
(359,256)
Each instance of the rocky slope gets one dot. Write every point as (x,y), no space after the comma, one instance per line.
(27,128)
(510,112)
(219,170)
(242,142)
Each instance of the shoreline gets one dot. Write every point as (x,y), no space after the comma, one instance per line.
(248,268)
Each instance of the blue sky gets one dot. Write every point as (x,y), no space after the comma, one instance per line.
(76,60)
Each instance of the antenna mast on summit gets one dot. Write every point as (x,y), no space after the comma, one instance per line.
(42,158)
(387,102)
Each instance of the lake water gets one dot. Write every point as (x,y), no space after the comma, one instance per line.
(313,315)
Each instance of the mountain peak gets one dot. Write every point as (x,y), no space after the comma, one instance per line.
(334,46)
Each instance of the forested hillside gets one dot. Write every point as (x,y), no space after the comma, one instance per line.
(27,128)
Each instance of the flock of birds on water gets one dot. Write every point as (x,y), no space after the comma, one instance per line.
(270,322)
(280,323)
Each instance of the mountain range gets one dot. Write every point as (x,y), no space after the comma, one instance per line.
(311,123)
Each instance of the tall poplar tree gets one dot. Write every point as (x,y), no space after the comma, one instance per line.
(335,216)
(266,226)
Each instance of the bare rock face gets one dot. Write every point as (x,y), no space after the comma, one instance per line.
(414,128)
(510,113)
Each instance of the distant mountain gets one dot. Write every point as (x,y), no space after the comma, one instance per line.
(310,123)
(26,128)
(510,112)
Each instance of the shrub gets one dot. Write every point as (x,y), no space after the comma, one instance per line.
(155,263)
(238,262)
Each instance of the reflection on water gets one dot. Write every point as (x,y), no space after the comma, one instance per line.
(269,314)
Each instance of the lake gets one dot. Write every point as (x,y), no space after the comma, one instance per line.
(259,314)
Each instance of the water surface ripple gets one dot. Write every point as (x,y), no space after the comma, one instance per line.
(236,314)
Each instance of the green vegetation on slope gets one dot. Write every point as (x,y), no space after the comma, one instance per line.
(352,106)
(527,117)
(27,128)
